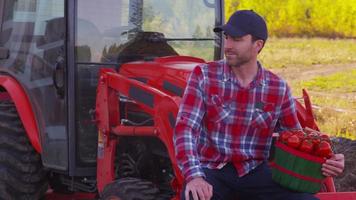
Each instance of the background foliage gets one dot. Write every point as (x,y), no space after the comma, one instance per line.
(306,18)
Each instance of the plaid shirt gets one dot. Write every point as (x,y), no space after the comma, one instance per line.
(220,122)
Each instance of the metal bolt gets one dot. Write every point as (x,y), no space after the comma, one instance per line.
(102,79)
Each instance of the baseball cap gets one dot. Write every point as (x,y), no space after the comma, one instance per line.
(244,22)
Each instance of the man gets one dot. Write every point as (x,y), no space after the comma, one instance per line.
(228,113)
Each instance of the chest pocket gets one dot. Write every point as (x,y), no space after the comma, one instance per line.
(217,110)
(262,119)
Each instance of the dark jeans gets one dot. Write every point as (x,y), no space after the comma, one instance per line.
(257,185)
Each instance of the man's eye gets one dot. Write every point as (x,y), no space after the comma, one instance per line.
(233,38)
(236,39)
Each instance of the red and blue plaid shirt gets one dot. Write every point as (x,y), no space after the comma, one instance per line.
(220,122)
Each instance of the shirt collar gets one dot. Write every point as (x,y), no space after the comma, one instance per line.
(228,75)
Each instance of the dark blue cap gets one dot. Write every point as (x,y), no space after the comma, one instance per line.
(245,22)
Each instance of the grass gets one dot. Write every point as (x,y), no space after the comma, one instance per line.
(304,52)
(338,82)
(327,69)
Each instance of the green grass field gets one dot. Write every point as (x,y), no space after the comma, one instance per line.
(304,52)
(327,69)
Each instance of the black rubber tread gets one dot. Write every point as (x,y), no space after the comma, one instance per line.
(22,176)
(130,189)
(18,142)
(11,126)
(6,114)
(23,163)
(8,193)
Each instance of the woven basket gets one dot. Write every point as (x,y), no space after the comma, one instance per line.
(297,170)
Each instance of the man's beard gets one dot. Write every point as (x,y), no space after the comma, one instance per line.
(239,61)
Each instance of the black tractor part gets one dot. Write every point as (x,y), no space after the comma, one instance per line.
(130,189)
(22,176)
(145,158)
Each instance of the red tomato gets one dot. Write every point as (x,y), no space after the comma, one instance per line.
(315,140)
(293,141)
(284,135)
(300,134)
(324,150)
(306,146)
(325,137)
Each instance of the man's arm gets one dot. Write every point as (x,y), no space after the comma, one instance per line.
(288,118)
(188,127)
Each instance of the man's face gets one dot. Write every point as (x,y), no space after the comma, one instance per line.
(239,50)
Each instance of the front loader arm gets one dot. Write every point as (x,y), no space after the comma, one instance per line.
(161,106)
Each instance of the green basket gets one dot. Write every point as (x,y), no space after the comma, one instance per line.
(297,170)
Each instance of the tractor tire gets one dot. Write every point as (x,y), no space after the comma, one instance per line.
(130,189)
(22,176)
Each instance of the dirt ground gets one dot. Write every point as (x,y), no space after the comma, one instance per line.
(302,73)
(347,181)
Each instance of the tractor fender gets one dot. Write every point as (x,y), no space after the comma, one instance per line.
(24,108)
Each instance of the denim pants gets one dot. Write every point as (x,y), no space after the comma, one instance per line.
(256,185)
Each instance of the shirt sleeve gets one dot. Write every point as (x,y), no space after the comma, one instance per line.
(288,118)
(188,126)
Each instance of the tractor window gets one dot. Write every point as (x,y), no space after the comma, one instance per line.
(100,26)
(106,29)
(35,30)
(187,25)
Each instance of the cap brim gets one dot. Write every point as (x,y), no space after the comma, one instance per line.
(229,30)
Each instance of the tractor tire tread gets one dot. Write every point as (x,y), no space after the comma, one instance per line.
(22,176)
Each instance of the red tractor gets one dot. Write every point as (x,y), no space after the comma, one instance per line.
(89,92)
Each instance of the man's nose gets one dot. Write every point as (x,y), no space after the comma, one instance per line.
(228,43)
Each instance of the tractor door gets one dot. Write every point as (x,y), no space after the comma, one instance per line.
(33,32)
(97,29)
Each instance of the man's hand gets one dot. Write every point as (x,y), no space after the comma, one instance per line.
(200,189)
(334,166)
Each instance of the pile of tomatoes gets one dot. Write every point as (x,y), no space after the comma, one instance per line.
(311,142)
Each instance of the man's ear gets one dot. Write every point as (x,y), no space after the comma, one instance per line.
(259,45)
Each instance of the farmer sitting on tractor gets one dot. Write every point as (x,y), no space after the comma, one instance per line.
(228,113)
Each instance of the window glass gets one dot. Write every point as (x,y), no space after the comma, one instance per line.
(34,31)
(105,30)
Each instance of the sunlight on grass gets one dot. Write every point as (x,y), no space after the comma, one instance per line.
(335,113)
(341,124)
(338,82)
(304,52)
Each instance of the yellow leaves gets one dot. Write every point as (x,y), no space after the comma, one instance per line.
(327,18)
